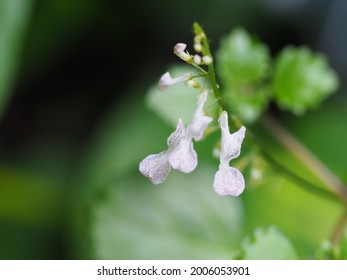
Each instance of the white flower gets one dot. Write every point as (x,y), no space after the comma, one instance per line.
(156,167)
(228,180)
(179,50)
(184,157)
(180,154)
(199,122)
(167,81)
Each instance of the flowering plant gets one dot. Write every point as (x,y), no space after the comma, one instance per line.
(181,154)
(222,137)
(245,97)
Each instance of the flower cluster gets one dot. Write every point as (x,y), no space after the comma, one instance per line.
(180,154)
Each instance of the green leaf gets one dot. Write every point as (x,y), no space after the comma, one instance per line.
(14,16)
(267,244)
(243,64)
(181,219)
(246,102)
(176,102)
(305,217)
(302,79)
(241,59)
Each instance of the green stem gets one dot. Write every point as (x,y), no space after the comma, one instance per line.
(211,72)
(292,144)
(308,186)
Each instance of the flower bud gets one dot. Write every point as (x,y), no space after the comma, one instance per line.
(179,51)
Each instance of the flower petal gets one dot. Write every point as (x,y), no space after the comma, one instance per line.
(228,181)
(231,143)
(175,138)
(199,122)
(179,51)
(156,167)
(184,157)
(165,81)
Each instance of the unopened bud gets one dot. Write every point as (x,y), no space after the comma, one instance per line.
(207,59)
(197,47)
(197,59)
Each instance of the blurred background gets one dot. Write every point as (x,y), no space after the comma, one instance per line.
(74,126)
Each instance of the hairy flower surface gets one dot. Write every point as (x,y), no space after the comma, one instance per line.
(184,157)
(180,154)
(157,167)
(229,180)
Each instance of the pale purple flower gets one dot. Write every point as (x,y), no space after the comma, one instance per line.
(157,167)
(180,154)
(167,81)
(179,50)
(184,157)
(229,180)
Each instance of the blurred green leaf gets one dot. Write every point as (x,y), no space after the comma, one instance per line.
(247,102)
(324,131)
(241,59)
(306,218)
(175,102)
(124,137)
(181,219)
(243,64)
(302,79)
(14,17)
(267,244)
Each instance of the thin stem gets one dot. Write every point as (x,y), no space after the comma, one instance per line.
(307,157)
(308,186)
(204,72)
(211,72)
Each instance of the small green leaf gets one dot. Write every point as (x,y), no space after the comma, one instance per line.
(302,79)
(241,59)
(243,64)
(247,102)
(267,244)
